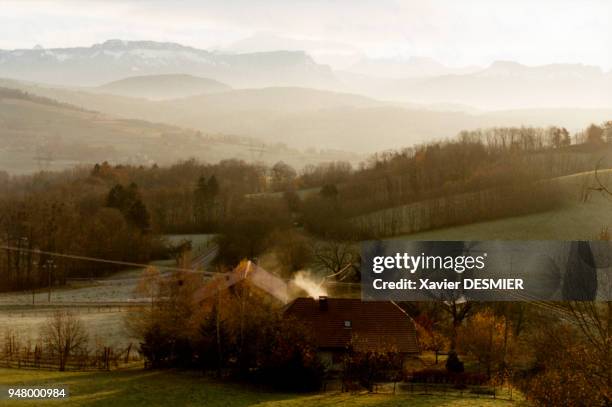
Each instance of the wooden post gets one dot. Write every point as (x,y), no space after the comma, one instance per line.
(127,353)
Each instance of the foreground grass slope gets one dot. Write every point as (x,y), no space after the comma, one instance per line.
(164,388)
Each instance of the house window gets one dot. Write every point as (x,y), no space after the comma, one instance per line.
(347,323)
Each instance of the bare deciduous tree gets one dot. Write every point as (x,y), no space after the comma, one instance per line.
(335,257)
(64,334)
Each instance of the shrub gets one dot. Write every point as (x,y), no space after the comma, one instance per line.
(368,366)
(295,374)
(156,347)
(453,364)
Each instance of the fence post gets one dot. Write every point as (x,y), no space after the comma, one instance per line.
(127,354)
(106,358)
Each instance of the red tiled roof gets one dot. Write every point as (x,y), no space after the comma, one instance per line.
(373,323)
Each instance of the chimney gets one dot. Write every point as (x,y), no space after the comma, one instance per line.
(323,303)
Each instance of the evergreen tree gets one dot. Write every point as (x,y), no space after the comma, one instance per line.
(138,215)
(129,203)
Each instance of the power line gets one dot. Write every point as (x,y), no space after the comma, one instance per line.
(525,297)
(100,260)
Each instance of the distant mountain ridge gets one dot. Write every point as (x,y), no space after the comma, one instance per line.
(508,85)
(328,51)
(549,71)
(418,80)
(406,67)
(117,59)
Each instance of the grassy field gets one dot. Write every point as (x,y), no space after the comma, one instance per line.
(576,220)
(163,388)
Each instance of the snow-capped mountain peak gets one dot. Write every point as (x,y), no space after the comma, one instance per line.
(116,59)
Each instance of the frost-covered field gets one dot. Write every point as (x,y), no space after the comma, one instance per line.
(104,326)
(103,304)
(91,301)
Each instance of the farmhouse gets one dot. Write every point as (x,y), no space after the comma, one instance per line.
(337,323)
(247,274)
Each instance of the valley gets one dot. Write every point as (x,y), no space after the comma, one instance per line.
(200,203)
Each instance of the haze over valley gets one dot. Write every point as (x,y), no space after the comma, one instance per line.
(267,84)
(284,98)
(195,198)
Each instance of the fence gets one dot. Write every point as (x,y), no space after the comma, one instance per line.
(435,389)
(104,358)
(500,392)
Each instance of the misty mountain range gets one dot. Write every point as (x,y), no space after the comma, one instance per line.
(399,68)
(116,59)
(272,99)
(510,85)
(502,85)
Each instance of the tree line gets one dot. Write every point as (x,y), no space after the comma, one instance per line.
(120,212)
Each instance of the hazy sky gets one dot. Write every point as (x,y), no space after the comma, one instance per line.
(451,31)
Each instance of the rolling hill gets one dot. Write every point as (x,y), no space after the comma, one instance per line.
(38,133)
(42,134)
(159,87)
(308,118)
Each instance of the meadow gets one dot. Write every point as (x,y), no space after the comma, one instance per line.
(577,219)
(135,387)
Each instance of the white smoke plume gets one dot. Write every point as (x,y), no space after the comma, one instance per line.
(305,281)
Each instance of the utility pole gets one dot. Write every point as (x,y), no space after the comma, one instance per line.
(34,263)
(50,266)
(22,271)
